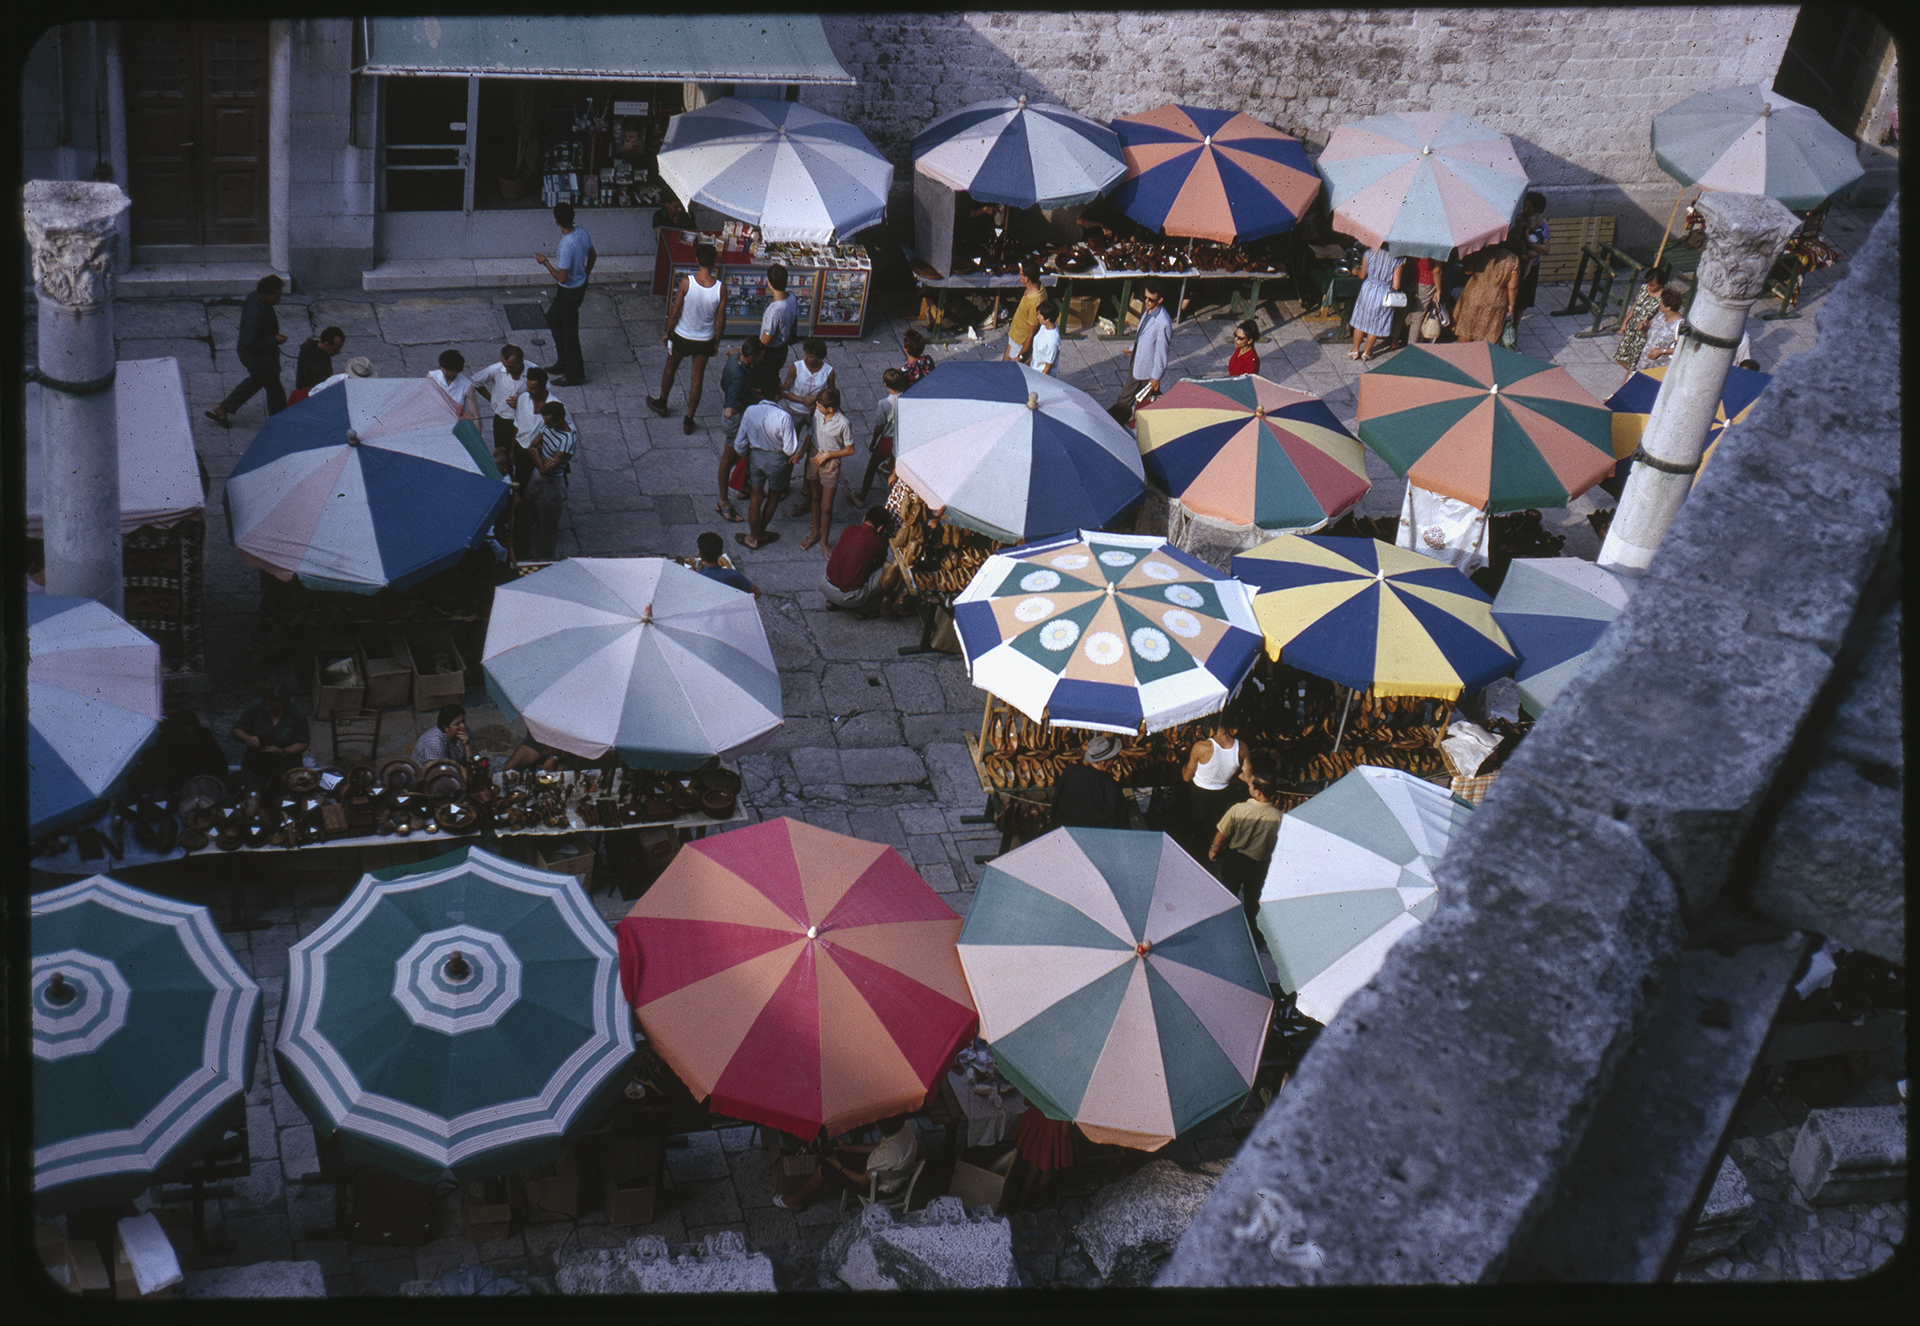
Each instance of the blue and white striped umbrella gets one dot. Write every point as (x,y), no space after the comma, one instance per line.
(1014,454)
(1005,151)
(144,1034)
(366,484)
(461,1013)
(93,700)
(635,655)
(795,173)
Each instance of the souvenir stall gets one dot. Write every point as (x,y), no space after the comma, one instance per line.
(830,283)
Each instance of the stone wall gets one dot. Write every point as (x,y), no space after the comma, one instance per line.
(1426,1133)
(1575,88)
(330,229)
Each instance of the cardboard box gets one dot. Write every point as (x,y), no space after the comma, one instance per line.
(330,696)
(631,1179)
(154,1251)
(487,1208)
(425,647)
(980,1177)
(553,1191)
(580,865)
(1083,312)
(389,675)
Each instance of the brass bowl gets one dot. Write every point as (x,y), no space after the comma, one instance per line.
(300,780)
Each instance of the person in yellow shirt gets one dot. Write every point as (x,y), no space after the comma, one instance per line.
(1026,315)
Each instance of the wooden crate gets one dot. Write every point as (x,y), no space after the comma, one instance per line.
(553,1191)
(424,645)
(1570,235)
(328,697)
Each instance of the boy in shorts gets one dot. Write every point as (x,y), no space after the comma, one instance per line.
(832,443)
(1243,842)
(884,427)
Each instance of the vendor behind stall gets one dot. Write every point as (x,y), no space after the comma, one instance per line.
(446,739)
(1087,795)
(273,733)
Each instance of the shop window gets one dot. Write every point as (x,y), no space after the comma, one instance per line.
(591,144)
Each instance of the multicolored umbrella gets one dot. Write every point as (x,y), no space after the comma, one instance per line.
(144,1034)
(1117,983)
(1352,872)
(1553,610)
(1106,631)
(1005,151)
(1425,183)
(1015,454)
(1486,426)
(1632,407)
(1250,452)
(797,977)
(1372,616)
(637,655)
(371,483)
(1753,140)
(93,700)
(796,174)
(461,1013)
(1210,174)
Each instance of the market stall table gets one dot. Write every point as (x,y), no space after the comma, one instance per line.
(830,284)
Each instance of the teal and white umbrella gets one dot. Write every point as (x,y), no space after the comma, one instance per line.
(1352,871)
(459,1014)
(144,1033)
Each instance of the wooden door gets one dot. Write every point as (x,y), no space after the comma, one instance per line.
(197,132)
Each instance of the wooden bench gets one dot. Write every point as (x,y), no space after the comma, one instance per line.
(1571,235)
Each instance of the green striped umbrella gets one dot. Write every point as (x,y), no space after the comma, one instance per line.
(1117,982)
(463,1013)
(1352,871)
(144,1033)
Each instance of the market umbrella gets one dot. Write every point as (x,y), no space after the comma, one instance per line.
(1211,174)
(1014,454)
(1485,426)
(460,1013)
(1246,451)
(1372,616)
(371,483)
(1632,407)
(1751,139)
(796,174)
(144,1034)
(93,700)
(635,655)
(797,977)
(1425,183)
(1106,631)
(1352,871)
(1117,983)
(1553,610)
(1006,151)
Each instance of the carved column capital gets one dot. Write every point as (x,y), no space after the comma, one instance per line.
(73,227)
(1745,233)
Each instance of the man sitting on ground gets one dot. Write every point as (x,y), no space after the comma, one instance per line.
(859,576)
(710,547)
(446,739)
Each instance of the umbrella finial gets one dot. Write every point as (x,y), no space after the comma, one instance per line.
(457,968)
(1142,948)
(1259,411)
(813,932)
(1426,151)
(59,993)
(1494,389)
(353,438)
(1033,400)
(1766,109)
(1023,101)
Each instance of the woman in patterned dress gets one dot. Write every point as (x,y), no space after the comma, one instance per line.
(919,363)
(1371,316)
(1633,325)
(1663,331)
(1485,305)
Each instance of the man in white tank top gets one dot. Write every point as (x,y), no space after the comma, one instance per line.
(1214,766)
(696,320)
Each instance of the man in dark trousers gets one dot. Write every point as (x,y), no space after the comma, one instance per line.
(258,351)
(1087,795)
(574,260)
(315,364)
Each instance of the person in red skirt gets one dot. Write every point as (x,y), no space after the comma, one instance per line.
(1044,1147)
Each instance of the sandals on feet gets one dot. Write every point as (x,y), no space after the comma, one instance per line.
(728,514)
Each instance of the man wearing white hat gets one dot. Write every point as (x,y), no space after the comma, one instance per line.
(1087,795)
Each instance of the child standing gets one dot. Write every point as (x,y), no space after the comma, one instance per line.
(800,388)
(885,425)
(832,443)
(1046,341)
(1243,843)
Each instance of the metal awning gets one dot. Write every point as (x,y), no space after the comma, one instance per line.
(704,48)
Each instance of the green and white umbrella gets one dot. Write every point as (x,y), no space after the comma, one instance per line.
(1117,983)
(144,1034)
(463,1013)
(1352,871)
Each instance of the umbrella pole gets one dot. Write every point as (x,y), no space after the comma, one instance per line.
(1345,709)
(1661,251)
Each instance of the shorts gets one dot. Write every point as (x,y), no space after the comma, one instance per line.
(681,346)
(733,429)
(857,597)
(826,473)
(773,478)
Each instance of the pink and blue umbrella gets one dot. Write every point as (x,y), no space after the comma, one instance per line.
(1210,174)
(93,700)
(367,484)
(1005,151)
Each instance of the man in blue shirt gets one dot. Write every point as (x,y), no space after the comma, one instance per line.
(767,440)
(576,257)
(1149,354)
(709,566)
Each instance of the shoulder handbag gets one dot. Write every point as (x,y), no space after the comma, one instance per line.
(1395,299)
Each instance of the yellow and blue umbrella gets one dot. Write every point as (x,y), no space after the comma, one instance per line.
(1372,616)
(1117,983)
(1553,610)
(1632,407)
(1106,631)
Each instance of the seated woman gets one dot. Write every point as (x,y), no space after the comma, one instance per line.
(892,1158)
(446,739)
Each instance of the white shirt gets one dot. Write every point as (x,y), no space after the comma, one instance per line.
(461,388)
(699,318)
(767,427)
(806,383)
(1046,347)
(526,418)
(500,384)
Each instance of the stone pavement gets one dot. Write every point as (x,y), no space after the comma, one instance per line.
(872,745)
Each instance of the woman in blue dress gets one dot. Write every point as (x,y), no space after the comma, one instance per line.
(1371,316)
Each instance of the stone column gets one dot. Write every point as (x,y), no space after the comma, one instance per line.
(280,147)
(73,228)
(1745,233)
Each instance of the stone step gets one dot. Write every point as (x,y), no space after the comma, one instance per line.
(182,280)
(492,273)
